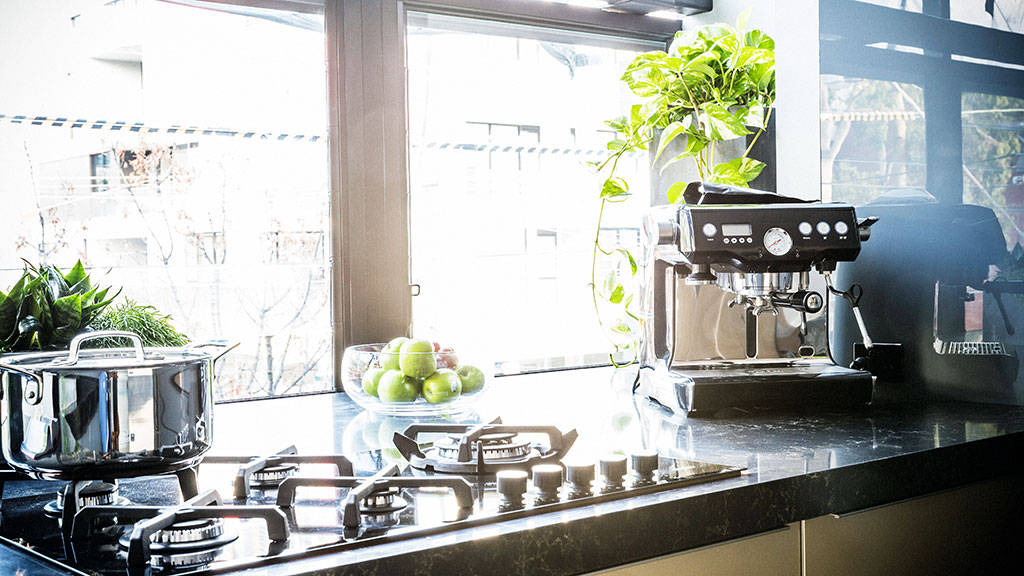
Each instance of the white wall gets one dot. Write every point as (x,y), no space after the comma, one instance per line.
(794,26)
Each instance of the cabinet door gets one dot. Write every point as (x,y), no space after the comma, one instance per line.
(771,554)
(962,531)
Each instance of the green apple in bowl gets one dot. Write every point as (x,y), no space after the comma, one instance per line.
(442,386)
(416,358)
(371,380)
(395,387)
(389,354)
(472,379)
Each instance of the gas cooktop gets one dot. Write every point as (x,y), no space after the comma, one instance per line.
(243,511)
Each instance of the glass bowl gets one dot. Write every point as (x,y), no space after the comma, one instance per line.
(358,360)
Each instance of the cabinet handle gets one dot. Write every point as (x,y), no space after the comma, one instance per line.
(839,515)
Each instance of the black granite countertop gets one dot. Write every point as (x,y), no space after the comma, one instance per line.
(799,465)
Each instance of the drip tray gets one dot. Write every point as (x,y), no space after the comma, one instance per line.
(714,388)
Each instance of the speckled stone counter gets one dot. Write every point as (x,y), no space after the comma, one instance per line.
(799,465)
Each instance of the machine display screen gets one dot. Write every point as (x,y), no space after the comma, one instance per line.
(736,230)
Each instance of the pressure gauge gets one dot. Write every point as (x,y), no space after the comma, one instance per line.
(777,241)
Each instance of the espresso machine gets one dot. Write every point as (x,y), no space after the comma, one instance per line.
(950,300)
(733,316)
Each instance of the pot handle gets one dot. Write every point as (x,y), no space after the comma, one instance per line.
(227,345)
(76,343)
(18,370)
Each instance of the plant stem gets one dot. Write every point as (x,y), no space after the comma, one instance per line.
(754,139)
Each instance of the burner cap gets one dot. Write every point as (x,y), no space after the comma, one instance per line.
(273,474)
(496,448)
(94,494)
(191,531)
(181,543)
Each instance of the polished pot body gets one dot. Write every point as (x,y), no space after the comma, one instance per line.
(112,416)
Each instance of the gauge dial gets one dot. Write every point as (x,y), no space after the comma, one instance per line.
(777,241)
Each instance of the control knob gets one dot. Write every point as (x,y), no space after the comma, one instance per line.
(547,479)
(511,487)
(613,469)
(645,467)
(580,478)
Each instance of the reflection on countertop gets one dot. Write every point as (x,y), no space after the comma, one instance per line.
(599,404)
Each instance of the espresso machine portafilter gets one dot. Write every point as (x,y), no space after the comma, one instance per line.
(733,314)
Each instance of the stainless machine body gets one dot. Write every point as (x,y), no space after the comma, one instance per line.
(733,308)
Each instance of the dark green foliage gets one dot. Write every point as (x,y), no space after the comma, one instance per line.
(46,308)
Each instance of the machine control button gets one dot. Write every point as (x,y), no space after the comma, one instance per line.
(511,487)
(645,467)
(580,478)
(842,228)
(824,228)
(613,469)
(710,230)
(547,479)
(805,228)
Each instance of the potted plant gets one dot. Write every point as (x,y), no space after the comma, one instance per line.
(715,84)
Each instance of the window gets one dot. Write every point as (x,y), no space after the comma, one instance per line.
(185,150)
(503,119)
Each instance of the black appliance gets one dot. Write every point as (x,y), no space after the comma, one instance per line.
(936,282)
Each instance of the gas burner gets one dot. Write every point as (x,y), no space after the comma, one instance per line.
(272,475)
(496,447)
(270,471)
(376,497)
(186,544)
(190,534)
(482,448)
(90,493)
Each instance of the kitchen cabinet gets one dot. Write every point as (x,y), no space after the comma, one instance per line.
(966,530)
(768,554)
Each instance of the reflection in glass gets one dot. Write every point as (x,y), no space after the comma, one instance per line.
(872,138)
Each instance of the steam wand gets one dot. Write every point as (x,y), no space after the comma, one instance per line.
(852,296)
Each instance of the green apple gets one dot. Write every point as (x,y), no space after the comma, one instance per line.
(472,379)
(397,388)
(371,379)
(416,358)
(389,354)
(442,386)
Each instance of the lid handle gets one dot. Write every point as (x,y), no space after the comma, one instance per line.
(76,343)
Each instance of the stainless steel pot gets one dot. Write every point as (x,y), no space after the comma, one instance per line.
(108,413)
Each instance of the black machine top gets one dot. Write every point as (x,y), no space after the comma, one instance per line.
(778,237)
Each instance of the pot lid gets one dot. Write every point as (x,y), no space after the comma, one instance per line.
(136,357)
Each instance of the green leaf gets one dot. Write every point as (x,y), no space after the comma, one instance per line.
(670,133)
(58,287)
(29,325)
(675,193)
(67,312)
(621,328)
(629,258)
(746,168)
(614,187)
(617,294)
(720,124)
(741,20)
(76,274)
(616,144)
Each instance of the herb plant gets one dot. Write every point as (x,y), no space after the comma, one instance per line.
(153,327)
(46,308)
(715,83)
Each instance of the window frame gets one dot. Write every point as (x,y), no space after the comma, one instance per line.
(368,143)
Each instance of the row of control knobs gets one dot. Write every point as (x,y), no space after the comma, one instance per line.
(579,479)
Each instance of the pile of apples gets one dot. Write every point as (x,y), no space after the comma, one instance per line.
(411,368)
